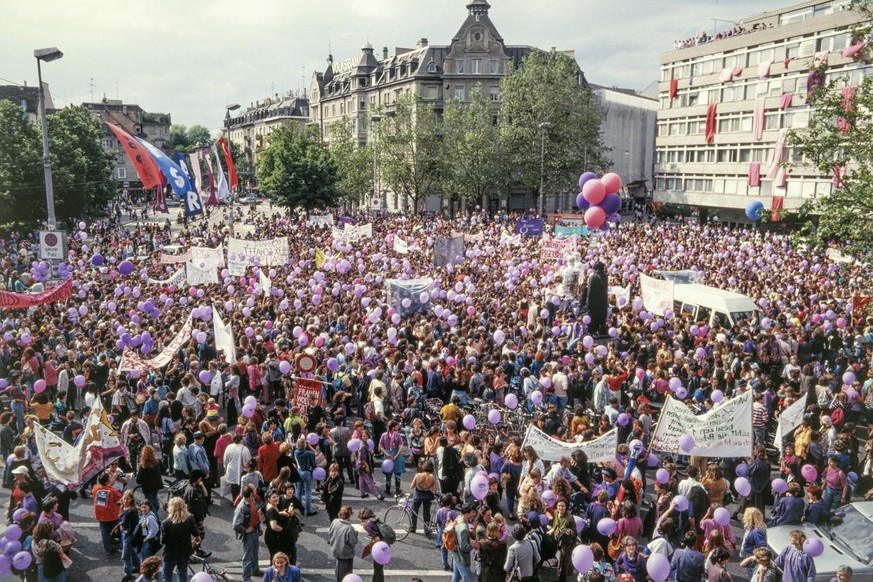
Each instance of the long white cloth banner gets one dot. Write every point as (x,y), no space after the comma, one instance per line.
(552,249)
(599,450)
(245,253)
(223,337)
(400,245)
(198,275)
(173,259)
(208,256)
(790,419)
(506,240)
(178,279)
(321,220)
(657,294)
(265,281)
(131,361)
(723,432)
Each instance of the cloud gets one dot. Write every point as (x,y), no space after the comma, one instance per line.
(190,59)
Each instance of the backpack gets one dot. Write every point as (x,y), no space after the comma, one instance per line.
(370,411)
(548,547)
(838,416)
(386,532)
(450,539)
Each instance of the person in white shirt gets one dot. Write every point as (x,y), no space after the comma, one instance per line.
(562,469)
(236,457)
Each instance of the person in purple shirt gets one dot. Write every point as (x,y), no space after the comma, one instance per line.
(796,565)
(789,508)
(631,561)
(816,512)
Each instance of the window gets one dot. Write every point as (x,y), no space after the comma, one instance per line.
(494,93)
(476,66)
(459,67)
(494,66)
(121,173)
(431,67)
(726,156)
(460,92)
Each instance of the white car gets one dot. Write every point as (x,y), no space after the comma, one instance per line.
(850,543)
(251,200)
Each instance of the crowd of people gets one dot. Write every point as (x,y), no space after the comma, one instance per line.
(397,393)
(704,37)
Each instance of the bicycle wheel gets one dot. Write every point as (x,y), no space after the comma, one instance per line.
(400,520)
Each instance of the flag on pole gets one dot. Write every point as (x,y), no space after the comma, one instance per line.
(228,160)
(59,458)
(204,153)
(195,169)
(223,192)
(146,168)
(99,444)
(178,181)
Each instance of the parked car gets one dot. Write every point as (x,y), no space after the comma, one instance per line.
(849,542)
(173,202)
(251,200)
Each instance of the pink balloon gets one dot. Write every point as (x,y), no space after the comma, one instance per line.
(594,192)
(39,386)
(611,182)
(594,216)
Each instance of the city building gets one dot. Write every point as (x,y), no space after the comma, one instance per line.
(152,127)
(629,132)
(477,54)
(250,128)
(728,102)
(28,99)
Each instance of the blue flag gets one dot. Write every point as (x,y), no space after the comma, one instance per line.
(177,178)
(529,226)
(182,161)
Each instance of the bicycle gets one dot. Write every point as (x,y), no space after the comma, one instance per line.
(215,574)
(399,517)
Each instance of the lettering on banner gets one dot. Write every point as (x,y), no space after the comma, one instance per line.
(303,389)
(598,451)
(724,431)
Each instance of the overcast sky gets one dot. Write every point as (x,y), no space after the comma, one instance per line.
(191,58)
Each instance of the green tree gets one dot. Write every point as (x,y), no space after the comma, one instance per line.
(21,174)
(179,141)
(354,163)
(471,144)
(297,171)
(548,88)
(244,169)
(408,147)
(81,169)
(199,136)
(839,137)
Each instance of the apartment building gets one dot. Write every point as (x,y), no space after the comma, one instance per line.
(728,102)
(250,128)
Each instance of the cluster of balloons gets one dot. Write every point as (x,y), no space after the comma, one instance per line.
(11,554)
(599,199)
(249,404)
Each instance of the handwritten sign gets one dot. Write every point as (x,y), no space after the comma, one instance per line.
(723,432)
(790,419)
(303,389)
(657,294)
(259,253)
(552,249)
(599,450)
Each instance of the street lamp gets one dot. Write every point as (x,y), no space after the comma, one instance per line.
(544,127)
(375,119)
(48,55)
(227,110)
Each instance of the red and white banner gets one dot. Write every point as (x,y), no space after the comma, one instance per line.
(131,361)
(145,165)
(10,300)
(228,160)
(552,249)
(303,390)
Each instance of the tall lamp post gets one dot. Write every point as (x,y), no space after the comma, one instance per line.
(544,128)
(48,55)
(375,119)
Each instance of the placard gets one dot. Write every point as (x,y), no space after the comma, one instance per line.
(657,294)
(303,389)
(245,253)
(790,419)
(725,431)
(553,249)
(600,450)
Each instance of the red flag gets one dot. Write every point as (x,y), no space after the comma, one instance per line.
(145,165)
(231,171)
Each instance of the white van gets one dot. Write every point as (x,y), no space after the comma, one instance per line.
(701,302)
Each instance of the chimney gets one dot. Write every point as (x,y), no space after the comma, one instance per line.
(422,43)
(384,53)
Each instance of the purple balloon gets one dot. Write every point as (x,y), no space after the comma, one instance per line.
(611,204)
(582,556)
(585,177)
(606,526)
(319,474)
(686,443)
(381,553)
(662,475)
(742,470)
(722,516)
(779,485)
(623,419)
(813,547)
(12,533)
(387,466)
(22,560)
(658,567)
(469,422)
(581,202)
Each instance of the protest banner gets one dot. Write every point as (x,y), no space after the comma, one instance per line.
(303,389)
(553,249)
(207,256)
(10,300)
(447,250)
(223,337)
(131,361)
(59,458)
(99,444)
(167,259)
(790,419)
(620,292)
(198,275)
(470,237)
(321,220)
(396,290)
(177,279)
(265,281)
(529,226)
(511,241)
(657,294)
(400,245)
(725,431)
(600,450)
(246,253)
(578,230)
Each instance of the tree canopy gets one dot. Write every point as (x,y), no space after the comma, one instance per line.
(354,164)
(297,170)
(185,139)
